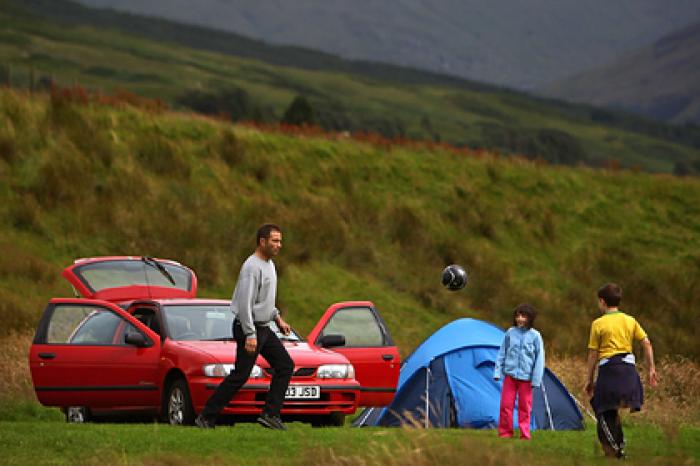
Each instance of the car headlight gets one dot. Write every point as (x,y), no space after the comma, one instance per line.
(336,371)
(222,370)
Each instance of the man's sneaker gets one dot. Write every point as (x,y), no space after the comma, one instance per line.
(271,422)
(203,423)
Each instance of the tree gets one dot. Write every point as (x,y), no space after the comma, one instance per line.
(233,102)
(300,112)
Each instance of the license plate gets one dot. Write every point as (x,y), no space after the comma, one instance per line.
(303,392)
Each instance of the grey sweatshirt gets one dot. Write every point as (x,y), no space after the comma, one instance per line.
(253,301)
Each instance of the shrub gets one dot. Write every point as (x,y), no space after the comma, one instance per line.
(300,112)
(233,102)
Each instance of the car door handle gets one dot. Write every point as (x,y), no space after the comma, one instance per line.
(47,355)
(387,357)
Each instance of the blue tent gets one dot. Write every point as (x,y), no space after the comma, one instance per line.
(448,382)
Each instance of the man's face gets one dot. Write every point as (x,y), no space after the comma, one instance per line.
(271,246)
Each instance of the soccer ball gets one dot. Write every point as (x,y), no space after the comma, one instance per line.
(454,277)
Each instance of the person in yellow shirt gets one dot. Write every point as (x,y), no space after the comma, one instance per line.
(618,384)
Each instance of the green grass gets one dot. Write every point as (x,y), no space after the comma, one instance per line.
(38,436)
(460,113)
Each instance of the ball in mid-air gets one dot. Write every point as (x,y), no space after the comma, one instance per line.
(454,277)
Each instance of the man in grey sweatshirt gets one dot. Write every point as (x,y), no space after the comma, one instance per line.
(253,305)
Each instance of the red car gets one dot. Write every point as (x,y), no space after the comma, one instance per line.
(137,340)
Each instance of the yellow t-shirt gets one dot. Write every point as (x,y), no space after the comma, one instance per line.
(614,333)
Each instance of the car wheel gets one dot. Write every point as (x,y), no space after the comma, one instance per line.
(77,414)
(331,420)
(179,404)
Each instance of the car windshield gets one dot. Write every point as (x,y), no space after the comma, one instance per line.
(118,273)
(208,322)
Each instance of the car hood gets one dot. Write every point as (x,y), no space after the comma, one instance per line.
(303,354)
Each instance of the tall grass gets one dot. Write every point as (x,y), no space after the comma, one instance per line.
(16,382)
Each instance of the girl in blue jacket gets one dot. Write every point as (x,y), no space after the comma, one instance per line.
(521,359)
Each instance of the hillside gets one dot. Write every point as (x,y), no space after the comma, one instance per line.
(661,81)
(511,43)
(189,67)
(363,219)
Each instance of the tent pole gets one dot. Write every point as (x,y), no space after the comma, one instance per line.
(427,396)
(584,408)
(365,416)
(546,404)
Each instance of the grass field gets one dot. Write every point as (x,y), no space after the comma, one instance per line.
(667,431)
(36,436)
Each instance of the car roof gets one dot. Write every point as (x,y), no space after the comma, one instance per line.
(177,302)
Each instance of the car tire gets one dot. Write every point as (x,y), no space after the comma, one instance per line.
(178,404)
(330,420)
(77,414)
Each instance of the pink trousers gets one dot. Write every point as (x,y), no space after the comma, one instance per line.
(511,388)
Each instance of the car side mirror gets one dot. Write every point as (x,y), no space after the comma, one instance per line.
(137,339)
(329,341)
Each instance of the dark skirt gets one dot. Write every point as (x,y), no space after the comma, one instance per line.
(618,386)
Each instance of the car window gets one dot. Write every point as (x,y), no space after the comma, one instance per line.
(118,273)
(85,325)
(198,322)
(148,318)
(204,322)
(357,324)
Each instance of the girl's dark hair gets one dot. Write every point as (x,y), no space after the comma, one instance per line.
(611,294)
(526,310)
(264,232)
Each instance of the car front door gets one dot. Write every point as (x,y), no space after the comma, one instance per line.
(80,357)
(368,346)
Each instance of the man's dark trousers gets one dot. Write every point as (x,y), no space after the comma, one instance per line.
(274,352)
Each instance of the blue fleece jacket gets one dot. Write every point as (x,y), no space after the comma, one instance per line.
(521,356)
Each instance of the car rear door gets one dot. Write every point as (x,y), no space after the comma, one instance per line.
(79,357)
(368,346)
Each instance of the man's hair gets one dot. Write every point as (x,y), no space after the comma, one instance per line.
(611,294)
(264,232)
(526,310)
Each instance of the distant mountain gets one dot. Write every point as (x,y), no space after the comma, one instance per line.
(510,42)
(661,81)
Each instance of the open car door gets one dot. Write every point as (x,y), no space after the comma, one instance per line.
(120,278)
(92,353)
(368,347)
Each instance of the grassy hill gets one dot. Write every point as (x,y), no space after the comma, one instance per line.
(363,219)
(661,80)
(65,43)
